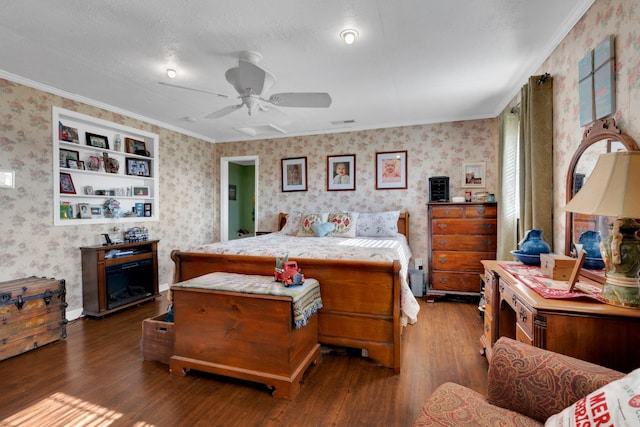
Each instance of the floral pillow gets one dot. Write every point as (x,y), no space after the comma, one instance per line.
(345,223)
(307,220)
(292,225)
(615,404)
(378,224)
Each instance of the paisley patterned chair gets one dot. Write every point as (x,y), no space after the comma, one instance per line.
(526,385)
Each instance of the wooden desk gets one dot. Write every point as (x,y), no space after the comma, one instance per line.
(592,331)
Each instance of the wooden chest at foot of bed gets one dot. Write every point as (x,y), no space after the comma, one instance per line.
(240,335)
(32,314)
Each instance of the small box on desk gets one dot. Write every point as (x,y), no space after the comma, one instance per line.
(158,337)
(557,267)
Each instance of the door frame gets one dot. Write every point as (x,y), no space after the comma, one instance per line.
(224,192)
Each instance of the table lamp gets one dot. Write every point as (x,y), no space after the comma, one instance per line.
(613,190)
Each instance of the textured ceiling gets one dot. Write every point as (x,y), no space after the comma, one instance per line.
(415,61)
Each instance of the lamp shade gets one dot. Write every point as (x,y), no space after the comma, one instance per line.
(612,189)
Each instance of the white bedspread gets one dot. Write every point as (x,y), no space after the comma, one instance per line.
(359,248)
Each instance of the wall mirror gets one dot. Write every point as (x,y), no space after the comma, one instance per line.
(603,137)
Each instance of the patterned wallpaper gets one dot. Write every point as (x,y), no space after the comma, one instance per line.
(620,18)
(31,245)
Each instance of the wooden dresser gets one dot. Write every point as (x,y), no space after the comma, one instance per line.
(603,334)
(462,235)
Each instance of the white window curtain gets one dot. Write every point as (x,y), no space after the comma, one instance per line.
(508,191)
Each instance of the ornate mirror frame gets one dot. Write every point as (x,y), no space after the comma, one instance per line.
(602,130)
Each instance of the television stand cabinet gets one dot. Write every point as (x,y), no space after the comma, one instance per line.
(115,277)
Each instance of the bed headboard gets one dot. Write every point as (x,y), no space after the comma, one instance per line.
(403,222)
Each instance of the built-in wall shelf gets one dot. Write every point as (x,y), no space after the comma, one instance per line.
(95,160)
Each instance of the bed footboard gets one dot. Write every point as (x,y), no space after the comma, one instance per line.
(361,300)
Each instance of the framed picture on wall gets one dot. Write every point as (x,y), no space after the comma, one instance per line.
(341,172)
(391,170)
(232,192)
(473,174)
(294,174)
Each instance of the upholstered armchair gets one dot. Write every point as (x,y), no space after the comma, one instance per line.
(526,385)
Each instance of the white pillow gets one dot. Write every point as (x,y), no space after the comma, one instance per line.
(378,224)
(345,223)
(307,220)
(615,404)
(292,225)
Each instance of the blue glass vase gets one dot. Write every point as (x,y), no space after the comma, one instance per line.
(532,243)
(590,241)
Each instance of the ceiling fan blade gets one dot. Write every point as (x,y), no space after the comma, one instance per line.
(195,90)
(224,111)
(301,99)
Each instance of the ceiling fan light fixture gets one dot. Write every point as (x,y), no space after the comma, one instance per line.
(349,35)
(172,73)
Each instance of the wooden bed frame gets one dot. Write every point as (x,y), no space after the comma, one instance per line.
(361,299)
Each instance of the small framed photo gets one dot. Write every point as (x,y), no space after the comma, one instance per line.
(72,164)
(68,134)
(94,164)
(232,192)
(66,155)
(84,210)
(138,167)
(98,141)
(96,211)
(474,174)
(294,174)
(147,210)
(66,184)
(133,145)
(391,170)
(139,191)
(341,172)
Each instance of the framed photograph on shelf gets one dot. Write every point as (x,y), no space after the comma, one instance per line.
(473,174)
(147,210)
(341,172)
(391,170)
(98,141)
(94,163)
(133,145)
(84,210)
(66,184)
(140,191)
(68,134)
(66,155)
(232,192)
(72,164)
(138,167)
(96,211)
(294,174)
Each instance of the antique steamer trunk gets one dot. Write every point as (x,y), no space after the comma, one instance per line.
(32,313)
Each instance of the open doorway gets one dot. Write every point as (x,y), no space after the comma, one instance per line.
(238,196)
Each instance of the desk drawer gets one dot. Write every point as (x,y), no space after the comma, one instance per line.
(524,316)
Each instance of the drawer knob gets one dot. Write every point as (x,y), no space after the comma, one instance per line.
(501,286)
(487,243)
(442,242)
(447,211)
(513,300)
(442,260)
(487,299)
(523,314)
(442,226)
(481,211)
(443,280)
(486,226)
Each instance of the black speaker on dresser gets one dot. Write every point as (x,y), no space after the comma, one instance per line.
(439,189)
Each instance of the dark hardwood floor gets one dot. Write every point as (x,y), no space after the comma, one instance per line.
(97,377)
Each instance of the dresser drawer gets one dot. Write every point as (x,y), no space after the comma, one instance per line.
(447,212)
(463,226)
(451,242)
(481,211)
(450,281)
(460,261)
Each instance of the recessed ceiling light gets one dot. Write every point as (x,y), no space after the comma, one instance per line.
(171,73)
(349,36)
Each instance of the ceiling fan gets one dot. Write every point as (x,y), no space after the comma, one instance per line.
(252,82)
